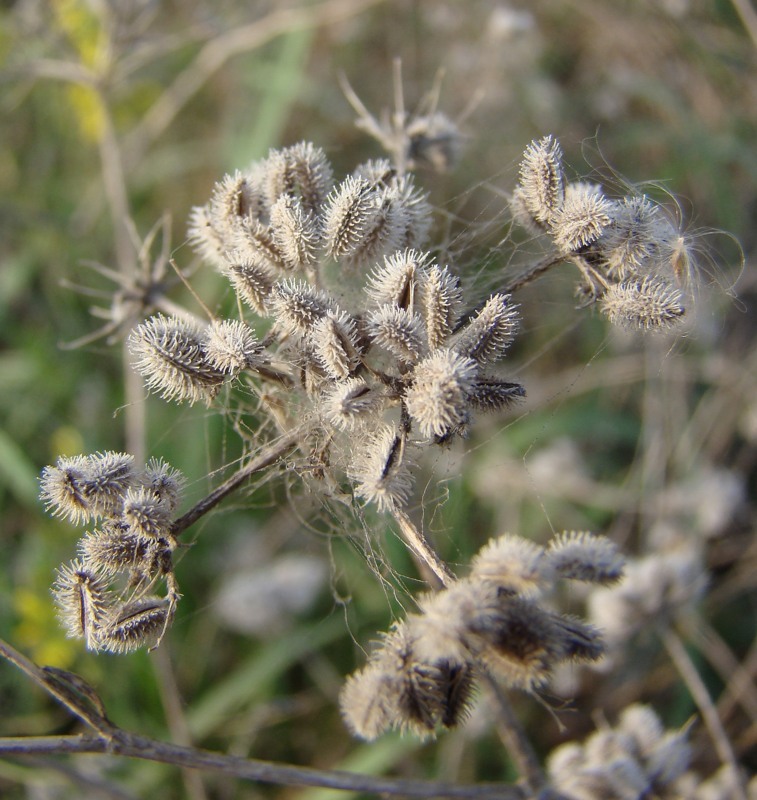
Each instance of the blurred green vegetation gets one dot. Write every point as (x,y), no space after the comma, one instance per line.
(649,91)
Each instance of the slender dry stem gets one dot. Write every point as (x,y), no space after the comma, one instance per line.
(691,677)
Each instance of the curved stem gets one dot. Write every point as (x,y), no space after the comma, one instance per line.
(422,549)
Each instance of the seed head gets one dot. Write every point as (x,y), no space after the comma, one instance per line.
(381,469)
(165,482)
(351,402)
(231,346)
(440,304)
(334,341)
(252,281)
(582,556)
(139,623)
(145,514)
(398,331)
(297,307)
(514,565)
(294,232)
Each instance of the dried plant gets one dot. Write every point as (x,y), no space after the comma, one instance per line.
(359,346)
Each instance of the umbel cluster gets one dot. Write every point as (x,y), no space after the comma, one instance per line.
(367,348)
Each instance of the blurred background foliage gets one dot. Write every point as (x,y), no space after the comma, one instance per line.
(615,431)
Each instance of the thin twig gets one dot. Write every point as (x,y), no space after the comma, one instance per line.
(134,746)
(693,680)
(517,744)
(423,550)
(68,694)
(265,458)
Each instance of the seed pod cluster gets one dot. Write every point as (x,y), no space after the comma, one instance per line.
(422,675)
(107,596)
(632,257)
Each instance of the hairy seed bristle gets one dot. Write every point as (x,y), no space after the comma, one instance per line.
(489,333)
(82,597)
(582,217)
(541,187)
(138,623)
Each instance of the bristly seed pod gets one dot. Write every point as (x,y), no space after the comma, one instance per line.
(347,404)
(63,489)
(145,514)
(83,601)
(514,565)
(231,346)
(170,354)
(165,482)
(396,282)
(438,395)
(252,281)
(301,171)
(440,301)
(648,304)
(139,623)
(491,394)
(334,342)
(582,217)
(541,188)
(489,333)
(297,307)
(381,469)
(114,548)
(397,330)
(295,233)
(582,556)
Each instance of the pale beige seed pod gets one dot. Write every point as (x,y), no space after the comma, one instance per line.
(295,232)
(145,514)
(541,188)
(351,213)
(252,280)
(437,399)
(583,556)
(347,404)
(488,334)
(235,198)
(231,346)
(398,331)
(204,239)
(63,489)
(514,565)
(368,702)
(632,240)
(381,469)
(302,171)
(135,624)
(254,241)
(580,220)
(164,481)
(648,304)
(334,340)
(440,304)
(170,354)
(297,307)
(115,548)
(83,599)
(397,281)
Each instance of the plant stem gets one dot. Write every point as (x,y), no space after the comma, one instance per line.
(265,458)
(423,550)
(691,677)
(132,746)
